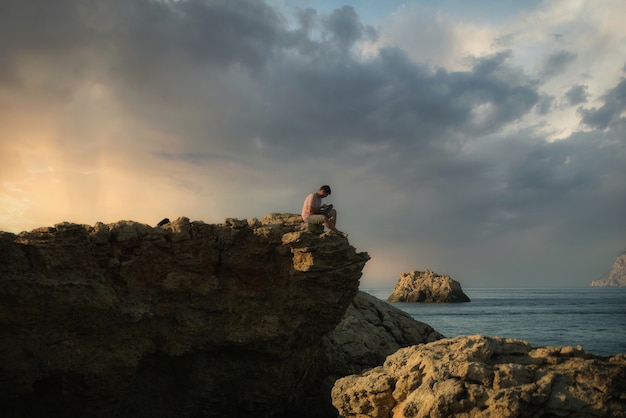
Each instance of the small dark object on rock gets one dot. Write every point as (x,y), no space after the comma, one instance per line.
(165,221)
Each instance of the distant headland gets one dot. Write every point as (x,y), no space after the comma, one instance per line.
(616,276)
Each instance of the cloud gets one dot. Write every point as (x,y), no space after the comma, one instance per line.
(436,39)
(610,112)
(576,95)
(436,134)
(556,63)
(344,26)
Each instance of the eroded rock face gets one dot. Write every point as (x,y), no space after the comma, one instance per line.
(428,287)
(188,319)
(479,376)
(370,331)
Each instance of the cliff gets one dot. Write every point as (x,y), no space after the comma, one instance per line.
(475,376)
(370,331)
(187,319)
(427,287)
(616,276)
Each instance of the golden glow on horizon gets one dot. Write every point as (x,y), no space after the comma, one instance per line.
(49,182)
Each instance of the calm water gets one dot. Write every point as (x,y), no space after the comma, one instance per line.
(592,317)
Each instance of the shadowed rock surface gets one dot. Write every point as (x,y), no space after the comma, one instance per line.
(370,331)
(188,319)
(479,376)
(427,287)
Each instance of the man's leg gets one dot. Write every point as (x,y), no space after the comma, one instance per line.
(330,224)
(326,222)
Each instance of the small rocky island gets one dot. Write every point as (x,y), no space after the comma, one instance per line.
(427,287)
(616,277)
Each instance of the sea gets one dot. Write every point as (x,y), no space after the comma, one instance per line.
(591,317)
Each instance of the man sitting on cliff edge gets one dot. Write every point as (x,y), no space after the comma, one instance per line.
(314,212)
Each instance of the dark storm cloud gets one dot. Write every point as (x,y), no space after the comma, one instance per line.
(344,26)
(503,185)
(42,26)
(576,95)
(215,32)
(610,112)
(556,63)
(516,184)
(544,105)
(140,37)
(338,99)
(233,81)
(304,84)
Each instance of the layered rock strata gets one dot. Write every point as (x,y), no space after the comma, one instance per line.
(479,376)
(188,319)
(427,287)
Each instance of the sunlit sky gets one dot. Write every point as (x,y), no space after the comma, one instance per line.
(485,140)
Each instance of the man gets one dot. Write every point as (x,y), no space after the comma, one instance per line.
(314,212)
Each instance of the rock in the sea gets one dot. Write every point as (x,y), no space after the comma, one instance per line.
(616,276)
(479,376)
(187,319)
(370,331)
(427,286)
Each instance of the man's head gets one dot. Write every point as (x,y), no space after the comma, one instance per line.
(324,190)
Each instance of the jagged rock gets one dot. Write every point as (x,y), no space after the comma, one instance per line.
(370,331)
(486,377)
(426,286)
(186,319)
(616,276)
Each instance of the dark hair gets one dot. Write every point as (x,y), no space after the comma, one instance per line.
(326,188)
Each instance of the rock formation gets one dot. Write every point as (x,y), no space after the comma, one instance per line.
(426,286)
(186,319)
(486,377)
(370,331)
(616,276)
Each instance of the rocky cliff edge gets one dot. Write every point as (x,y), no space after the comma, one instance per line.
(187,319)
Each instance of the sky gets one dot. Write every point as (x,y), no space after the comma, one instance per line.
(485,140)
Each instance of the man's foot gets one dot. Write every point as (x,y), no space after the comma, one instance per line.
(329,233)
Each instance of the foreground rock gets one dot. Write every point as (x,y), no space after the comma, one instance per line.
(616,276)
(369,332)
(427,286)
(188,319)
(486,377)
